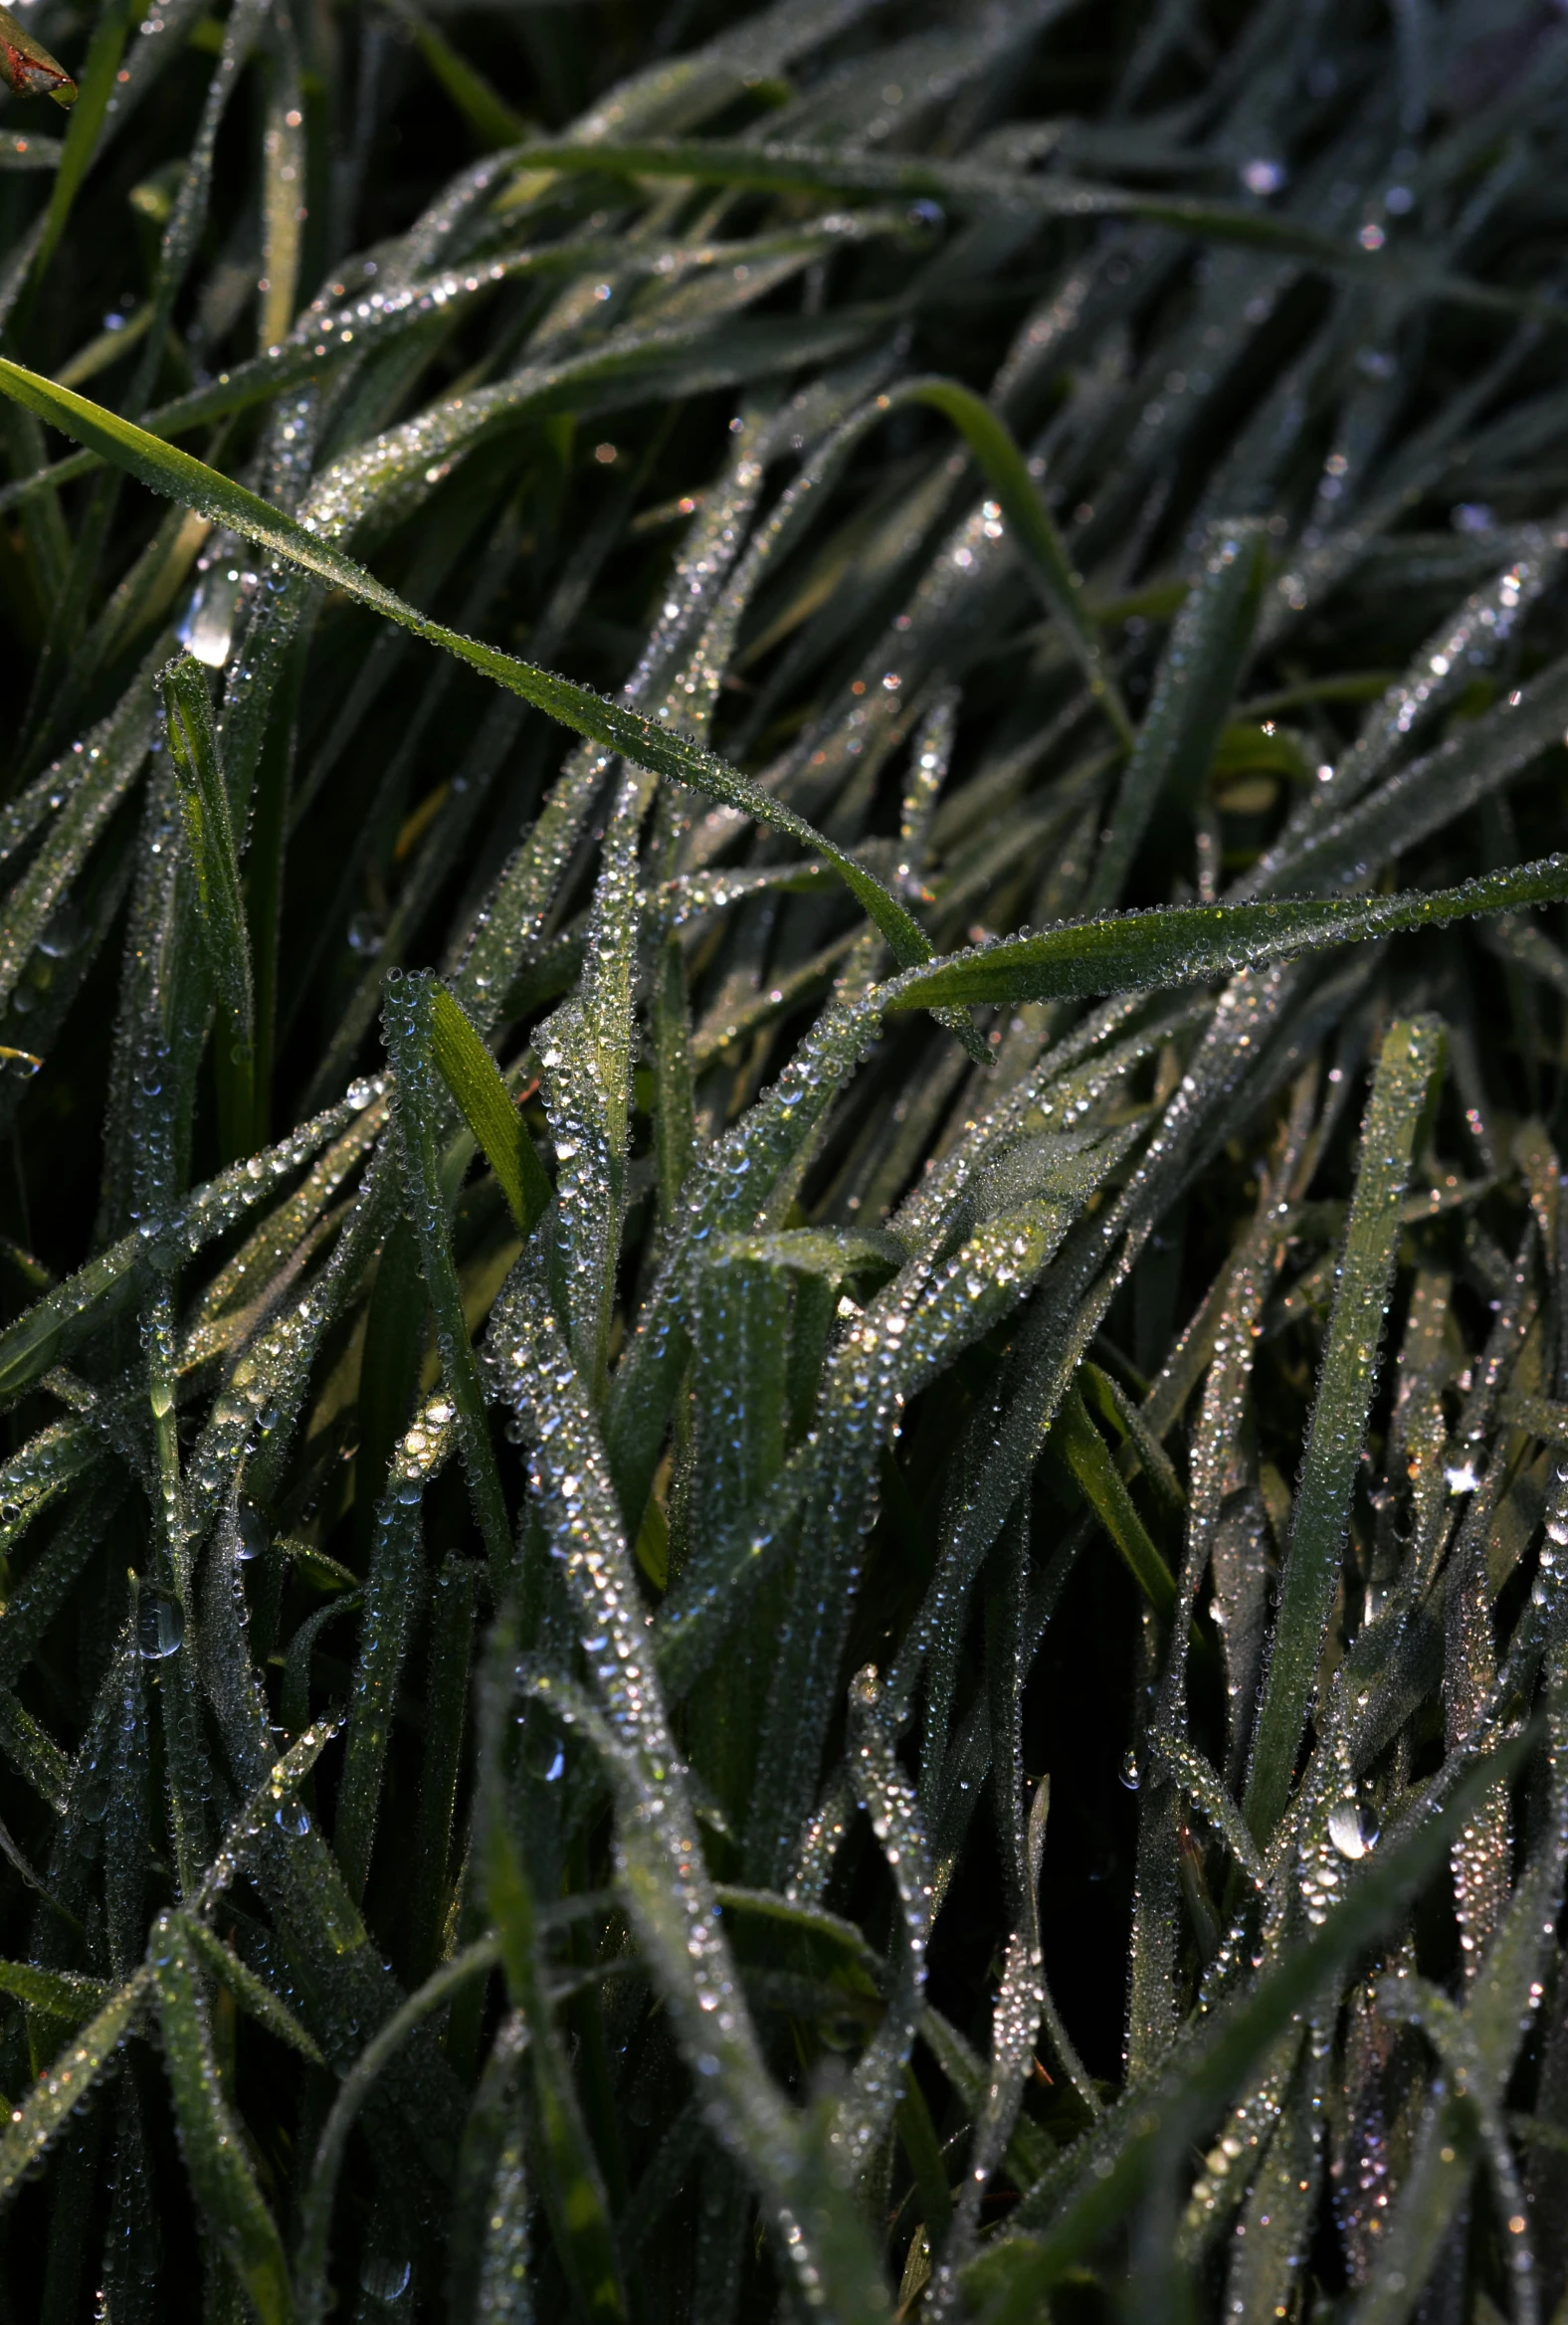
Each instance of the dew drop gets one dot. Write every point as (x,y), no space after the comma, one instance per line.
(160,1624)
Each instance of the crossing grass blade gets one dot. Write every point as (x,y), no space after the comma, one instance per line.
(166,469)
(1008,2283)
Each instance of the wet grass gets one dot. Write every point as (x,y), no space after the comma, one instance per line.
(782,1055)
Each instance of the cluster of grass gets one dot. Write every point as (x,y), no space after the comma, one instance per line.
(785,1325)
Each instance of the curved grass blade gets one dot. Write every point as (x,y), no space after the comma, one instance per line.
(316,2212)
(1182,944)
(1034,531)
(177,476)
(961,185)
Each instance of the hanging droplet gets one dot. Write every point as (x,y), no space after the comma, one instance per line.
(251,1536)
(1349,1831)
(160,1624)
(385,2276)
(62,932)
(1128,1771)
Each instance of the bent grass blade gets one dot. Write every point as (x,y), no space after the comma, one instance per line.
(177,476)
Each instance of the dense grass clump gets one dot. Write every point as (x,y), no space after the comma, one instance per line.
(783,1047)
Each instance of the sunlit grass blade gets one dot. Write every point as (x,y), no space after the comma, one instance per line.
(488,1109)
(1179,944)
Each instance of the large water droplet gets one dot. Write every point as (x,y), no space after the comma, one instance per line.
(1349,1832)
(383,2276)
(160,1624)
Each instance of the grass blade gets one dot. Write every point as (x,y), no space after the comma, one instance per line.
(209,836)
(488,1109)
(1182,943)
(1408,1064)
(177,476)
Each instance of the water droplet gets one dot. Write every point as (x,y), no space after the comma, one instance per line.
(62,932)
(160,1624)
(384,2277)
(1349,1832)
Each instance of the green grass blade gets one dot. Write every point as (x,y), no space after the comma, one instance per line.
(224,1964)
(177,476)
(1408,1064)
(488,1106)
(64,1995)
(1034,531)
(40,2118)
(316,2218)
(1008,2284)
(1191,702)
(488,117)
(90,102)
(1183,943)
(1087,1457)
(410,1047)
(209,837)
